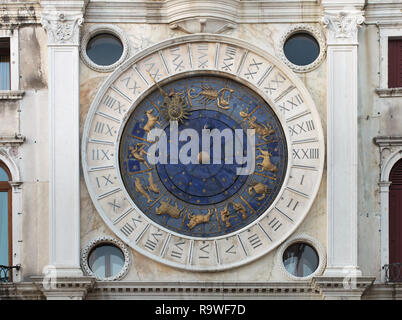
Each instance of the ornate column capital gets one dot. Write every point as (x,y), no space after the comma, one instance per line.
(342,26)
(62,29)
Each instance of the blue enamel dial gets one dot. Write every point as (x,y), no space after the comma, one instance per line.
(203,199)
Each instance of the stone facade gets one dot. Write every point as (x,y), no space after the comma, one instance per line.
(53,88)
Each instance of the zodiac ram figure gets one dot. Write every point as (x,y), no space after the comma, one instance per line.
(167,208)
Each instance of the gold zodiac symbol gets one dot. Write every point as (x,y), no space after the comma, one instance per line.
(225,217)
(167,208)
(138,153)
(240,208)
(152,186)
(197,219)
(174,105)
(259,188)
(263,130)
(152,120)
(266,163)
(208,94)
(139,188)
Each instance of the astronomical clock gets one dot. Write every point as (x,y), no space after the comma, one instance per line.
(203,215)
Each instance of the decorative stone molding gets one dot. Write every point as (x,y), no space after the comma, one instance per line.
(98,29)
(105,240)
(17,14)
(62,29)
(171,11)
(203,25)
(12,141)
(316,33)
(389,93)
(203,290)
(342,288)
(390,149)
(11,94)
(305,238)
(64,288)
(343,26)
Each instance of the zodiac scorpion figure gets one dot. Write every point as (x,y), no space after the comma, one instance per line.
(208,94)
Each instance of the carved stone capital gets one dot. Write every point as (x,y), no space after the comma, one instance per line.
(62,29)
(343,26)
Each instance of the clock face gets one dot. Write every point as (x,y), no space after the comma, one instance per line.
(205,199)
(203,215)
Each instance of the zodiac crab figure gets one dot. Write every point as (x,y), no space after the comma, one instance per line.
(208,95)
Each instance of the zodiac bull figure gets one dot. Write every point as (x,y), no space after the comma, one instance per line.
(197,219)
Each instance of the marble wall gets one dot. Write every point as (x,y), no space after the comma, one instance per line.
(265,36)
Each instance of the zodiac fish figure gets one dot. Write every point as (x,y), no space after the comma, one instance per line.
(200,218)
(225,217)
(259,188)
(266,163)
(139,188)
(167,208)
(263,130)
(152,120)
(138,153)
(240,208)
(208,94)
(152,186)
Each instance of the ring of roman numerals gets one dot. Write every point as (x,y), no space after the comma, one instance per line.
(131,87)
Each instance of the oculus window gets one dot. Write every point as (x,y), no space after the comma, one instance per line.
(106,260)
(104,49)
(301,49)
(300,259)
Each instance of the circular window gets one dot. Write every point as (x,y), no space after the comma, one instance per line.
(105,258)
(300,259)
(104,49)
(301,49)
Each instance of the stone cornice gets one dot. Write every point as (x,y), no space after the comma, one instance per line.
(384,13)
(12,141)
(11,94)
(385,141)
(173,11)
(15,14)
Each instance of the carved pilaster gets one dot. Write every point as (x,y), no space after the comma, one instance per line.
(62,29)
(343,26)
